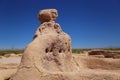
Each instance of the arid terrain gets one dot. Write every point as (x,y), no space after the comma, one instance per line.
(50,57)
(90,62)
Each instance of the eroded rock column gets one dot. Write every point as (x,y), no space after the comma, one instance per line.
(49,52)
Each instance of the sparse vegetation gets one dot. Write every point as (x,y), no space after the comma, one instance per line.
(114,49)
(18,51)
(3,52)
(79,50)
(87,49)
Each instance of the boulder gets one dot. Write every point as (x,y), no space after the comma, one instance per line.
(47,15)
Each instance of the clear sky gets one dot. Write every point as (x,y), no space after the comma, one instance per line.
(90,23)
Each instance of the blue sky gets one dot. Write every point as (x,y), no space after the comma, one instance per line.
(90,23)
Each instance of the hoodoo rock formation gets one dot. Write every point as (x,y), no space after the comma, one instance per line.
(49,56)
(49,52)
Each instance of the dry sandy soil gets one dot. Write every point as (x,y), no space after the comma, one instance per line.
(88,66)
(8,66)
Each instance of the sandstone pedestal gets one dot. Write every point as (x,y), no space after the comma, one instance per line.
(49,53)
(48,56)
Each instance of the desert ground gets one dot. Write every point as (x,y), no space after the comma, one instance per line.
(90,62)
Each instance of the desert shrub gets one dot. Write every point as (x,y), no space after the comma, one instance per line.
(79,50)
(3,52)
(88,49)
(113,49)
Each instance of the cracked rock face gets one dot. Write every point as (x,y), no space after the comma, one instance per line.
(49,52)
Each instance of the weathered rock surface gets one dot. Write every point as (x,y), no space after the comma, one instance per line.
(5,74)
(49,52)
(105,53)
(48,15)
(48,56)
